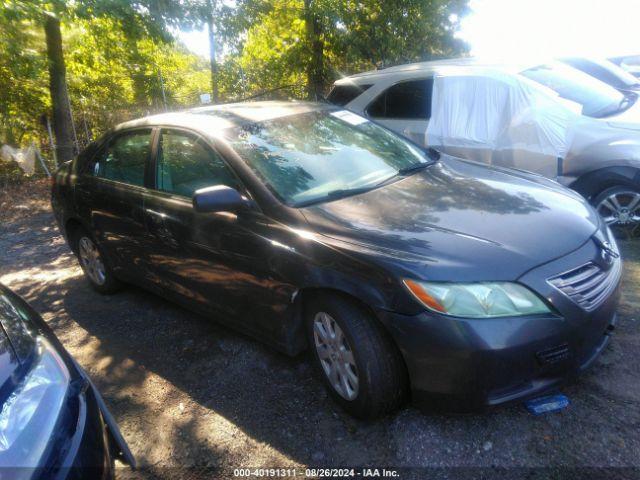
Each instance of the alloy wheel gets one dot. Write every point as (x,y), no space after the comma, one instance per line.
(91,261)
(336,356)
(621,210)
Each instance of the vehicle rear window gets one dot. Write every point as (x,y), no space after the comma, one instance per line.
(125,158)
(83,160)
(342,94)
(406,100)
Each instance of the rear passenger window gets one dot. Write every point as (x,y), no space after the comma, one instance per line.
(84,162)
(186,164)
(125,158)
(405,100)
(342,94)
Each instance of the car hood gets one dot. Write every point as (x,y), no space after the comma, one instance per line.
(460,220)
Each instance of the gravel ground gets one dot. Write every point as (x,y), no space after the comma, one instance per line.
(189,393)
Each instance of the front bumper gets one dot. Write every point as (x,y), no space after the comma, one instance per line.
(468,364)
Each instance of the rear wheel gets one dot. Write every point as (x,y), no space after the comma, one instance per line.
(619,207)
(93,265)
(361,367)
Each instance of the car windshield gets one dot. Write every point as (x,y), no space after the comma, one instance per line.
(597,98)
(604,70)
(316,156)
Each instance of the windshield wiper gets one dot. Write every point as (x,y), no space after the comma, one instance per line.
(346,192)
(413,168)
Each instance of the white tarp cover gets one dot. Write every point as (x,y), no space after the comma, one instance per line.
(25,157)
(499,111)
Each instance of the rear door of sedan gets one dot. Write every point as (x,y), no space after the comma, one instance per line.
(109,195)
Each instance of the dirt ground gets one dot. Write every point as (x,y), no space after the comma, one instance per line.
(188,393)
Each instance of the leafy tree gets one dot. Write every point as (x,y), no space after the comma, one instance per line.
(274,54)
(399,31)
(23,92)
(120,59)
(137,18)
(313,41)
(112,75)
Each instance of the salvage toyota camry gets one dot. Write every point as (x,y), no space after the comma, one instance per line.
(305,225)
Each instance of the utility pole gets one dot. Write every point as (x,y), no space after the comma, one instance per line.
(212,51)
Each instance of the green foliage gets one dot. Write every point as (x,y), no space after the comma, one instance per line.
(120,53)
(111,77)
(274,54)
(23,79)
(356,35)
(398,31)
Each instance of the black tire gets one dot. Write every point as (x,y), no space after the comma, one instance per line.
(381,372)
(625,194)
(110,284)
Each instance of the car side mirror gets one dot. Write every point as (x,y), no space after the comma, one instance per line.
(218,198)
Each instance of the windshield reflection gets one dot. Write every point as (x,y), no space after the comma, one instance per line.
(313,156)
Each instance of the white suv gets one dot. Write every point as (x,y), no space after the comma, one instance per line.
(549,118)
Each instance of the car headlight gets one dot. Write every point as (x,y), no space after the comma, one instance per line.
(477,300)
(28,416)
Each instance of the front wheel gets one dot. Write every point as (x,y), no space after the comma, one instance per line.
(95,269)
(361,367)
(619,207)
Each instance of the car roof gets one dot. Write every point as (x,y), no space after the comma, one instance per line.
(216,118)
(451,65)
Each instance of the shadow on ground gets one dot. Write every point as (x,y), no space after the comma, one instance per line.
(188,392)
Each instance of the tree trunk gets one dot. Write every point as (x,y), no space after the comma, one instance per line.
(212,53)
(315,68)
(62,127)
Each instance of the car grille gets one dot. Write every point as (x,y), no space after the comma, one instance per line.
(554,355)
(588,285)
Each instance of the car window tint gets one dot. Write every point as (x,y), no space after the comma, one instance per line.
(185,165)
(125,158)
(86,158)
(342,94)
(407,100)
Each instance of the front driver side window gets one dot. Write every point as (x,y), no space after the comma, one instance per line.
(186,164)
(125,158)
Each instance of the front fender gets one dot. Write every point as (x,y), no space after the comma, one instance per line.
(329,267)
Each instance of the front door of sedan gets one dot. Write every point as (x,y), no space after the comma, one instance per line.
(405,108)
(109,193)
(219,260)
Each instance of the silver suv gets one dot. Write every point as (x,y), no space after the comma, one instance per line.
(599,126)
